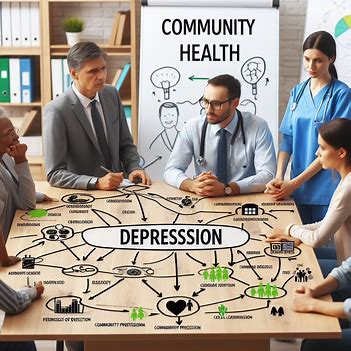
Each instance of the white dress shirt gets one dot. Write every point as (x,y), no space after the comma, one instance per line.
(87,108)
(251,165)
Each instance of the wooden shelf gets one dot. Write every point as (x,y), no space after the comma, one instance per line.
(88,1)
(21,104)
(122,50)
(20,50)
(27,0)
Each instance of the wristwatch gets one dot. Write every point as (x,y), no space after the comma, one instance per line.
(228,189)
(92,183)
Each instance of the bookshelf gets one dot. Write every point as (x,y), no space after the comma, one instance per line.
(53,46)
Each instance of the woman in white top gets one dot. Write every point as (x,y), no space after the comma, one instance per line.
(334,152)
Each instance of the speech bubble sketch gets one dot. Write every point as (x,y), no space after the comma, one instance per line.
(164,237)
(165,78)
(252,71)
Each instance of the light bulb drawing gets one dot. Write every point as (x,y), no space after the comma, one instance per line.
(165,78)
(252,71)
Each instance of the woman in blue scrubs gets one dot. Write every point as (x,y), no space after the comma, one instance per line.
(318,100)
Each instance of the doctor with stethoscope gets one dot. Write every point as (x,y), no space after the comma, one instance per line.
(319,99)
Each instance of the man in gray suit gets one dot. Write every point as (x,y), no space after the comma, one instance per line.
(87,141)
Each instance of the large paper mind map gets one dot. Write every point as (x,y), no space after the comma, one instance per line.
(142,259)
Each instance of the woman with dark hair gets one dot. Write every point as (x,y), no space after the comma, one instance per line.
(334,153)
(318,100)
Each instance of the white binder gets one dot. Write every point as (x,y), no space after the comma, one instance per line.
(34,24)
(15,23)
(15,81)
(56,77)
(25,24)
(6,24)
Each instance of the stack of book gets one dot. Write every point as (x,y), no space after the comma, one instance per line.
(16,80)
(120,34)
(19,24)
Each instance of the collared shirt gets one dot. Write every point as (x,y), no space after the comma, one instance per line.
(251,165)
(87,108)
(343,275)
(12,301)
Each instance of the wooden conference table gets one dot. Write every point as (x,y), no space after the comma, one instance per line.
(156,268)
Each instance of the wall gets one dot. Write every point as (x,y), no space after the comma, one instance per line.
(99,18)
(292,24)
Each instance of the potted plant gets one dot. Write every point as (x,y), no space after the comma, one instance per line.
(73,26)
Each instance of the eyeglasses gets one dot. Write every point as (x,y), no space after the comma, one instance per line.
(216,105)
(11,133)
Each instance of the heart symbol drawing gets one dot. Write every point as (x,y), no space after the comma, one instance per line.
(176,307)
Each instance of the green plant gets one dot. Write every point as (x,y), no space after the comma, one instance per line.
(73,24)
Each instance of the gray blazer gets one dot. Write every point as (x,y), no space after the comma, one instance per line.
(72,153)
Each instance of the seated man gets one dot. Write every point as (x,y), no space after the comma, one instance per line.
(13,302)
(87,141)
(233,151)
(17,190)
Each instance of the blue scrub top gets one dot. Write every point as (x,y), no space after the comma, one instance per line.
(299,130)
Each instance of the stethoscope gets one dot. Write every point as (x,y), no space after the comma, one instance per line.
(201,161)
(328,93)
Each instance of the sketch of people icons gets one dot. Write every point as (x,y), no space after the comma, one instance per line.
(303,275)
(58,232)
(247,105)
(168,114)
(252,71)
(165,78)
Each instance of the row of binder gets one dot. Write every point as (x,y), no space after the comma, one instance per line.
(19,24)
(60,77)
(16,80)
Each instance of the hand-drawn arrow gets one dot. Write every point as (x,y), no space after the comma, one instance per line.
(203,264)
(281,211)
(69,249)
(54,252)
(30,247)
(279,266)
(141,207)
(101,258)
(249,310)
(229,214)
(231,262)
(158,261)
(176,218)
(87,288)
(85,257)
(159,294)
(215,259)
(179,321)
(192,78)
(287,281)
(241,296)
(268,225)
(240,252)
(153,314)
(162,197)
(176,286)
(101,292)
(196,293)
(108,214)
(135,258)
(202,198)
